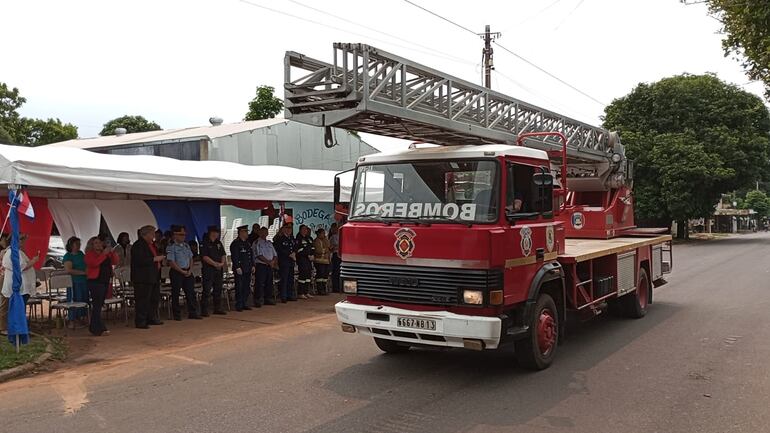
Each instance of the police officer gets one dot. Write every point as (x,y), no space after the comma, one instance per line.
(243,260)
(304,246)
(179,257)
(284,246)
(265,259)
(213,257)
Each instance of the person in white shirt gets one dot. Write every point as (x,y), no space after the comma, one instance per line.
(28,278)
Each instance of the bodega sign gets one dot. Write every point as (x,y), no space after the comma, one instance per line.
(452,211)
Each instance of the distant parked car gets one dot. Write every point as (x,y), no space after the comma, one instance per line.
(56,251)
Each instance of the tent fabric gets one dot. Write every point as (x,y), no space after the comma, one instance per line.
(126,216)
(248,204)
(75,217)
(195,216)
(38,230)
(204,213)
(76,169)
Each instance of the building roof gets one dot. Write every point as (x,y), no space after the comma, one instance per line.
(469,151)
(170,135)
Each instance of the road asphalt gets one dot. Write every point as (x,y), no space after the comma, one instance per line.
(698,362)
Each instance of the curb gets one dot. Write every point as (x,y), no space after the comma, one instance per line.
(20,370)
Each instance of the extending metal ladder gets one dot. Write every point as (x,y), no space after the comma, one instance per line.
(369,90)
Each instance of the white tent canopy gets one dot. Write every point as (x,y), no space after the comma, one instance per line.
(68,171)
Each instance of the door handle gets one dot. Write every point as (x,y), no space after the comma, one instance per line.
(540,254)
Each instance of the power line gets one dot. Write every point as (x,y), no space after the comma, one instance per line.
(411,42)
(533,16)
(577,6)
(443,18)
(434,53)
(549,74)
(539,68)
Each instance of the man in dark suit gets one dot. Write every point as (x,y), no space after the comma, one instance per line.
(145,277)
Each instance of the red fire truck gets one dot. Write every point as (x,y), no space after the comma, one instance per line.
(513,217)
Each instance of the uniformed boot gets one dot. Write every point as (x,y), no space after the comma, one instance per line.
(321,287)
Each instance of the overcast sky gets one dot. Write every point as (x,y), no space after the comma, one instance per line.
(178,62)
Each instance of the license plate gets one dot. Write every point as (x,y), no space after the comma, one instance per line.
(415,323)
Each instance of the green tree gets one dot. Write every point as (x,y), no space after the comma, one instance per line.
(758,201)
(15,129)
(715,134)
(265,105)
(38,132)
(130,123)
(746,25)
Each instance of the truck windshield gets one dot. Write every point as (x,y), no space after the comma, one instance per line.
(451,191)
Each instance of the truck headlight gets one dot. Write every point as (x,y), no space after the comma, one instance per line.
(350,286)
(475,297)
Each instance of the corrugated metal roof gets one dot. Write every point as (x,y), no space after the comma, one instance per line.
(179,134)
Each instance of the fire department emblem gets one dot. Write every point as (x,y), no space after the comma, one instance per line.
(404,242)
(526,240)
(550,238)
(577,220)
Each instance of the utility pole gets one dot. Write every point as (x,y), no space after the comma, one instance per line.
(488,59)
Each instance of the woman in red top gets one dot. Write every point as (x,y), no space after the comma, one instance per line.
(99,262)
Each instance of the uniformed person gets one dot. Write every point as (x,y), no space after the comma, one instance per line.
(213,257)
(284,246)
(179,257)
(243,260)
(304,246)
(322,261)
(265,260)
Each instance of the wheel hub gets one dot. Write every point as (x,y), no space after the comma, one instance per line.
(546,332)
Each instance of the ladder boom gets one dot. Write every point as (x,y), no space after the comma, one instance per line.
(369,90)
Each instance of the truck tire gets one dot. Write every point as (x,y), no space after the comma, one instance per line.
(537,350)
(390,346)
(635,304)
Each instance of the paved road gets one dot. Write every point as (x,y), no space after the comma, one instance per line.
(699,362)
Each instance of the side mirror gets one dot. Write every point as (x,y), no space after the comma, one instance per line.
(542,192)
(336,190)
(543,179)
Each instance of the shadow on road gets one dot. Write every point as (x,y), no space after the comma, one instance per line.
(455,390)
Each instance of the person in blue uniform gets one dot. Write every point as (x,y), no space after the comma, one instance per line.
(243,261)
(304,246)
(265,259)
(179,257)
(213,258)
(284,247)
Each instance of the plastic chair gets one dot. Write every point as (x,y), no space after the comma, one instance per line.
(62,306)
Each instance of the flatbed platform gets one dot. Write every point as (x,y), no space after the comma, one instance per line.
(580,250)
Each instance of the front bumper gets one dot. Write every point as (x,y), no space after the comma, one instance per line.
(451,329)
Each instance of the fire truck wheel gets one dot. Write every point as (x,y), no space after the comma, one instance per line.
(635,304)
(390,346)
(538,349)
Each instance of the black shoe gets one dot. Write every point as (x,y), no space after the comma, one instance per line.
(219,312)
(178,318)
(270,303)
(247,308)
(293,299)
(257,305)
(283,301)
(195,317)
(205,314)
(155,323)
(142,326)
(239,309)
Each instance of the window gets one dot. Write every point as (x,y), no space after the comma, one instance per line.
(455,191)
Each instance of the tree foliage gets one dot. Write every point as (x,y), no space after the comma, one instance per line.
(692,137)
(746,24)
(758,201)
(15,129)
(265,105)
(130,123)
